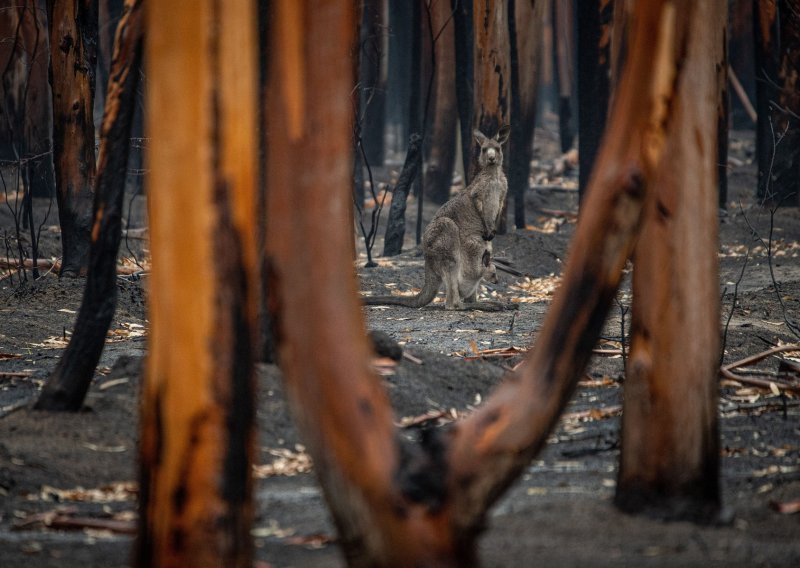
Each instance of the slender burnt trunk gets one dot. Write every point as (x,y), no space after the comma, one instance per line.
(373,74)
(198,397)
(777,42)
(594,27)
(563,39)
(442,145)
(73,63)
(67,386)
(465,49)
(396,223)
(524,26)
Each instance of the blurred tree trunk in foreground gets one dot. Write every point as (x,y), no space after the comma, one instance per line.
(777,40)
(67,386)
(400,503)
(198,399)
(669,463)
(73,63)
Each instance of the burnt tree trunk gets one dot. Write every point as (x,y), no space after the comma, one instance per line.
(73,63)
(373,74)
(395,502)
(396,223)
(723,116)
(197,400)
(492,75)
(25,106)
(594,33)
(442,140)
(563,39)
(465,53)
(525,20)
(67,386)
(669,462)
(777,41)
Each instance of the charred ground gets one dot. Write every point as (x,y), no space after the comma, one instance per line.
(558,513)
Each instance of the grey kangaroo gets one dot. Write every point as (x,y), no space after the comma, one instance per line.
(457,243)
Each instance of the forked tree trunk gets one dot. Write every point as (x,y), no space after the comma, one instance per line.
(197,400)
(67,386)
(777,41)
(525,20)
(669,464)
(396,503)
(73,63)
(442,145)
(594,89)
(491,103)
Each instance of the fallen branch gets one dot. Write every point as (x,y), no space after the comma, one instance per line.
(758,382)
(760,356)
(63,519)
(43,264)
(740,92)
(786,508)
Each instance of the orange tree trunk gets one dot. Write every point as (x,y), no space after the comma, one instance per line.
(73,62)
(396,503)
(442,143)
(67,386)
(670,443)
(491,104)
(197,400)
(777,42)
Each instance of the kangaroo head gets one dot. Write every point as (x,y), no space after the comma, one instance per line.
(491,152)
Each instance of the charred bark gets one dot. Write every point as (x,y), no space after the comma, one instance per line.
(372,78)
(73,64)
(442,140)
(777,39)
(67,386)
(563,39)
(524,29)
(594,22)
(197,398)
(492,76)
(396,223)
(465,53)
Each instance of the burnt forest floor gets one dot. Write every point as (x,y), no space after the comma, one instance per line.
(68,481)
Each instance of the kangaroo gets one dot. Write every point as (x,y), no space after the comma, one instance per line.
(457,243)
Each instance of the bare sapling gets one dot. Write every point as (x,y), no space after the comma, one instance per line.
(457,244)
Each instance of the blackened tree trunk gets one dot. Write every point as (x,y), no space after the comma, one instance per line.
(67,386)
(594,33)
(669,462)
(563,39)
(73,63)
(465,50)
(396,223)
(777,41)
(491,103)
(525,21)
(197,399)
(442,139)
(373,73)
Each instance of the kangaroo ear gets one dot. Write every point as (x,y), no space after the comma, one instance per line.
(502,134)
(479,137)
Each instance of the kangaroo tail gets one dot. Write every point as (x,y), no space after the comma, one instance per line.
(429,290)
